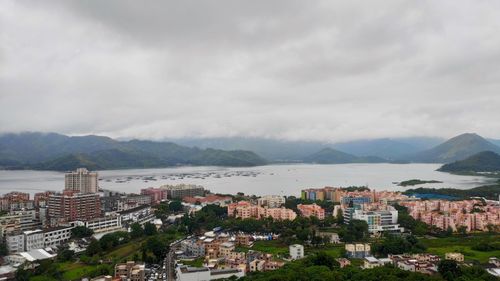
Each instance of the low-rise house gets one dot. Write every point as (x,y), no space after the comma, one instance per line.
(296,251)
(331,237)
(243,240)
(423,263)
(371,262)
(494,261)
(458,257)
(225,249)
(358,251)
(257,265)
(130,271)
(193,248)
(343,262)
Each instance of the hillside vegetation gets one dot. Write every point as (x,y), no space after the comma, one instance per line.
(58,152)
(486,161)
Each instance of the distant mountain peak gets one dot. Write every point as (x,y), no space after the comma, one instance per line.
(456,148)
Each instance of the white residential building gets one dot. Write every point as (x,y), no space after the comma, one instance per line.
(33,239)
(56,236)
(104,224)
(271,201)
(296,251)
(15,242)
(81,180)
(377,220)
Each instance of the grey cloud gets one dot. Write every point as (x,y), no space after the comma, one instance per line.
(322,70)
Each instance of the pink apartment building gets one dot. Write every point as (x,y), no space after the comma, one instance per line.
(311,210)
(157,194)
(473,214)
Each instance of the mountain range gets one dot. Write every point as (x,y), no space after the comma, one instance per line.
(332,156)
(296,151)
(59,152)
(51,151)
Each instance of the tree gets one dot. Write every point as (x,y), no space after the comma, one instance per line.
(449,269)
(393,244)
(322,259)
(158,246)
(462,230)
(356,230)
(81,232)
(149,229)
(3,249)
(136,230)
(175,206)
(93,248)
(65,255)
(340,217)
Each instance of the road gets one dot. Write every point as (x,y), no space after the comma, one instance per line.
(170,260)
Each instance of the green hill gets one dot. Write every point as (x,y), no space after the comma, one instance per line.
(486,161)
(59,152)
(332,156)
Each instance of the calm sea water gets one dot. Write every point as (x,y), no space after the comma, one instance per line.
(271,179)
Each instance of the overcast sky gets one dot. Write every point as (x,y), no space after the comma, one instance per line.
(312,70)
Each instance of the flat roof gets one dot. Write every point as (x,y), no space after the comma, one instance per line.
(38,254)
(224,271)
(189,269)
(371,259)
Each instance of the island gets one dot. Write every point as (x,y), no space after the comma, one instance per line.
(417,182)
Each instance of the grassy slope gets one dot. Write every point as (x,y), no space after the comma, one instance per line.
(441,246)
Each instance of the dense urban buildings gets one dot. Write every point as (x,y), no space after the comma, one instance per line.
(15,201)
(471,214)
(81,180)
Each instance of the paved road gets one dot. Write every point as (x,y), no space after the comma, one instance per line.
(170,261)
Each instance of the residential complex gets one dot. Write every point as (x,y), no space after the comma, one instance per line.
(72,206)
(471,214)
(183,190)
(13,201)
(81,180)
(311,210)
(245,210)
